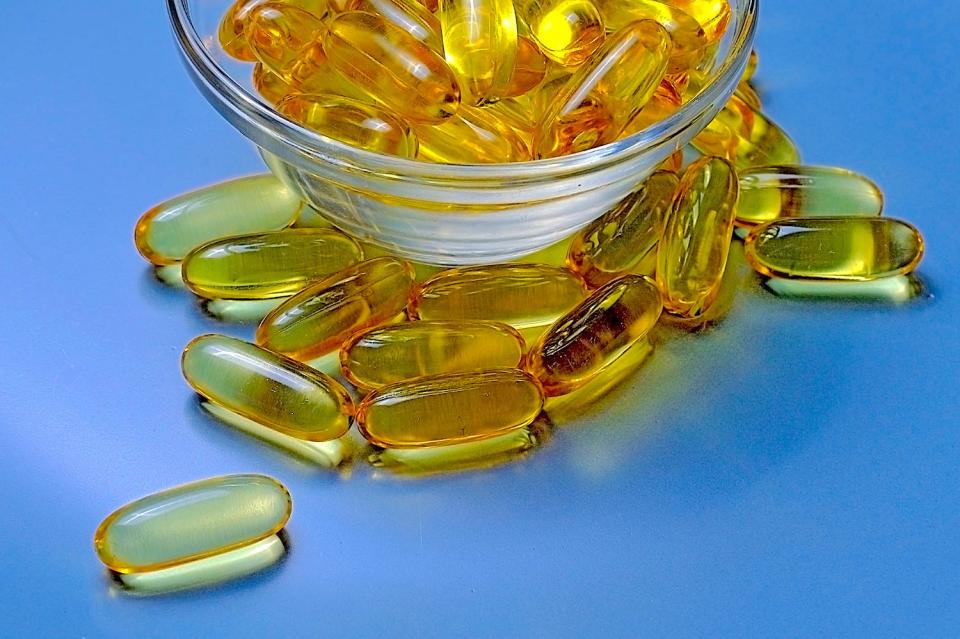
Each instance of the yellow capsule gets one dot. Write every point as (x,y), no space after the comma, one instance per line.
(688,39)
(320,318)
(233,27)
(269,389)
(625,238)
(430,5)
(257,204)
(472,136)
(392,66)
(525,296)
(409,15)
(666,101)
(568,31)
(192,522)
(748,94)
(713,15)
(390,354)
(286,40)
(834,248)
(262,266)
(607,92)
(751,69)
(768,193)
(530,69)
(692,254)
(590,338)
(746,137)
(518,116)
(450,409)
(269,85)
(352,122)
(480,44)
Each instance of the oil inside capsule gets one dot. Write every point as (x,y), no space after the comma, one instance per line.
(480,44)
(236,21)
(286,40)
(472,136)
(713,15)
(391,354)
(256,204)
(270,389)
(269,85)
(450,409)
(530,68)
(267,265)
(746,137)
(835,248)
(688,38)
(568,31)
(408,15)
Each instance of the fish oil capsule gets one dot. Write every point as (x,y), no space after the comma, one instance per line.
(746,137)
(713,15)
(269,85)
(480,44)
(450,409)
(568,31)
(352,122)
(266,265)
(524,296)
(392,66)
(834,248)
(625,237)
(190,523)
(269,389)
(390,354)
(606,93)
(285,40)
(320,318)
(768,193)
(688,38)
(529,70)
(692,254)
(591,337)
(666,101)
(409,15)
(256,204)
(233,27)
(472,136)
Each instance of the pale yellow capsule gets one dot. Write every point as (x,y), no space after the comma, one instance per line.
(689,40)
(472,136)
(480,45)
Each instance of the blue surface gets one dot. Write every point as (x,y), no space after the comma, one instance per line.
(792,473)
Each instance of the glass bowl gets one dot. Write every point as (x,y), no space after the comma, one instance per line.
(439,213)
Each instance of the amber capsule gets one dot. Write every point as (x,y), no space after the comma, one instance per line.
(480,44)
(256,204)
(692,254)
(713,15)
(472,136)
(267,265)
(625,237)
(606,93)
(525,296)
(687,37)
(430,5)
(450,409)
(591,337)
(895,289)
(746,137)
(530,69)
(568,31)
(666,101)
(390,354)
(748,94)
(834,248)
(409,15)
(320,318)
(286,40)
(269,85)
(392,66)
(233,27)
(352,122)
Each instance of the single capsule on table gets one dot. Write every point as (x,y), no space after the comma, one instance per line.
(689,41)
(409,15)
(267,265)
(390,354)
(472,136)
(692,254)
(625,238)
(606,93)
(594,335)
(321,317)
(256,204)
(286,40)
(352,122)
(835,248)
(713,15)
(746,137)
(768,193)
(529,70)
(233,27)
(480,45)
(568,31)
(450,409)
(195,534)
(392,66)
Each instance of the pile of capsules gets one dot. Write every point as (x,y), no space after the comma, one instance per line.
(465,367)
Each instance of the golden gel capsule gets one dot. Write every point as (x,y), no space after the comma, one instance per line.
(666,101)
(480,44)
(251,267)
(409,15)
(713,15)
(746,137)
(450,409)
(192,522)
(606,93)
(269,85)
(594,335)
(530,69)
(625,237)
(568,31)
(320,318)
(525,296)
(687,37)
(693,250)
(267,388)
(392,66)
(768,193)
(472,136)
(834,248)
(389,354)
(237,19)
(352,122)
(256,204)
(286,40)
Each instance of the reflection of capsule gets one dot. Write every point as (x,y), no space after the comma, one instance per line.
(480,45)
(746,137)
(472,136)
(687,37)
(409,15)
(233,27)
(286,40)
(568,31)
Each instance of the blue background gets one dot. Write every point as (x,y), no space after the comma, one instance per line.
(793,473)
